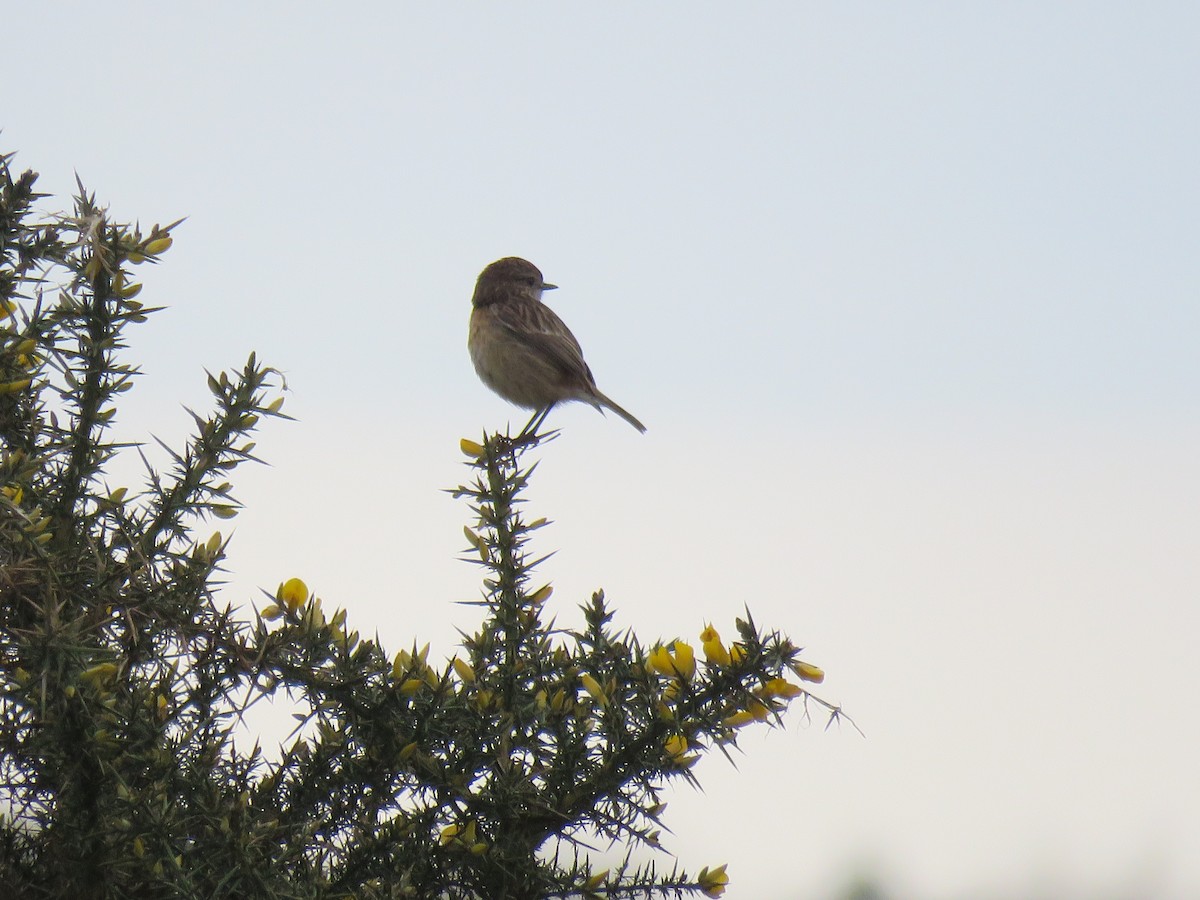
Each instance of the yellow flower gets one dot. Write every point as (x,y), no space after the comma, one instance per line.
(660,661)
(678,664)
(294,593)
(676,746)
(100,674)
(713,883)
(808,672)
(738,719)
(685,660)
(159,245)
(593,688)
(780,687)
(470,448)
(464,835)
(13,387)
(714,650)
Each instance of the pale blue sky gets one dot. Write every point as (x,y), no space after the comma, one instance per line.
(907,294)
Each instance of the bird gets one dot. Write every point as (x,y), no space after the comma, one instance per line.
(523,351)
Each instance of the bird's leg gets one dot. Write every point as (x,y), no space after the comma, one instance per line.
(529,434)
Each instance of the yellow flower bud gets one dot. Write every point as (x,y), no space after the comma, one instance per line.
(738,719)
(713,883)
(596,880)
(159,245)
(470,448)
(477,542)
(401,663)
(464,670)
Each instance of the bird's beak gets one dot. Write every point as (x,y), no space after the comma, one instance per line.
(549,287)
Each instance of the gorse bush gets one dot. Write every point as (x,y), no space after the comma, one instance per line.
(123,678)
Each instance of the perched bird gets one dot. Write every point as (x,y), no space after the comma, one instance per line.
(522,350)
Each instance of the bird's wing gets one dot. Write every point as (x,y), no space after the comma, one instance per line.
(537,326)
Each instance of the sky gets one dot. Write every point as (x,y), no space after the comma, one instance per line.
(907,295)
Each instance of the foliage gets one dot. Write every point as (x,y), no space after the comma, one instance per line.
(123,679)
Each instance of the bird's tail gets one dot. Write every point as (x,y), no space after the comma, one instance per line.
(629,417)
